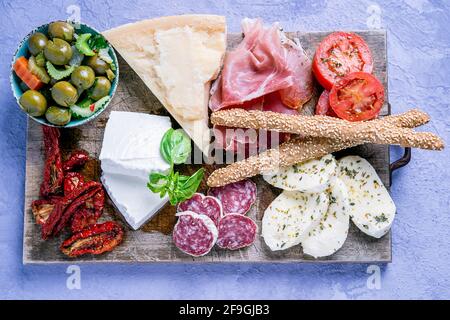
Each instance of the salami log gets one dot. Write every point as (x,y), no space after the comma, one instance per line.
(236,231)
(201,204)
(194,234)
(236,197)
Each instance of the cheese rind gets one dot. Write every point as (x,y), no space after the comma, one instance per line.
(290,218)
(177,57)
(370,206)
(329,236)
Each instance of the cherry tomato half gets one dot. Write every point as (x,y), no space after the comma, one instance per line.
(323,105)
(339,54)
(358,96)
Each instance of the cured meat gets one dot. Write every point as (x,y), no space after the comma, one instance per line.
(298,61)
(194,234)
(256,67)
(236,231)
(201,204)
(236,197)
(268,72)
(265,61)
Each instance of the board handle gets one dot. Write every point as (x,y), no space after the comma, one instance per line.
(403,161)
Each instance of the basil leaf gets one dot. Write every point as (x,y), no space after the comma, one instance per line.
(166,147)
(172,190)
(181,146)
(175,146)
(185,190)
(158,183)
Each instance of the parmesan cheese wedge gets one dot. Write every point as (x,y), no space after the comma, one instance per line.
(331,233)
(290,218)
(177,57)
(370,206)
(310,176)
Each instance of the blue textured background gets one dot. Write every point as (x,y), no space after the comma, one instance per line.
(419,68)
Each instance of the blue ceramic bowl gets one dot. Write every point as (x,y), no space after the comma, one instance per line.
(22,50)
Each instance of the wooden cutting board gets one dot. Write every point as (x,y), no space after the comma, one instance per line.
(153,242)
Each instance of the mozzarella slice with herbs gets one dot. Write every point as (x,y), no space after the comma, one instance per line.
(291,216)
(329,236)
(370,206)
(310,176)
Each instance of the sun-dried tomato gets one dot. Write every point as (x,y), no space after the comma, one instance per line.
(51,139)
(97,202)
(64,209)
(53,172)
(72,180)
(76,159)
(83,218)
(95,239)
(43,208)
(89,213)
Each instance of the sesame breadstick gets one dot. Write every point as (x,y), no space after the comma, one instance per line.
(299,150)
(410,119)
(321,126)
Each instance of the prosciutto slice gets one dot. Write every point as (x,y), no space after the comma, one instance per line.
(298,94)
(267,71)
(256,67)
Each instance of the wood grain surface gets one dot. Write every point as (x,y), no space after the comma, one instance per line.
(153,242)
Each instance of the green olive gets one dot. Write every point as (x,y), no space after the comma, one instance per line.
(33,102)
(58,116)
(99,65)
(58,52)
(61,30)
(64,93)
(100,88)
(37,43)
(83,77)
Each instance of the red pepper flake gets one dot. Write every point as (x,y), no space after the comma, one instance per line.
(92,107)
(95,239)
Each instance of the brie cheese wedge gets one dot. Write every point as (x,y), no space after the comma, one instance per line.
(177,58)
(370,206)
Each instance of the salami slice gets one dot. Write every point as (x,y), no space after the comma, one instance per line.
(194,234)
(236,197)
(201,204)
(236,231)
